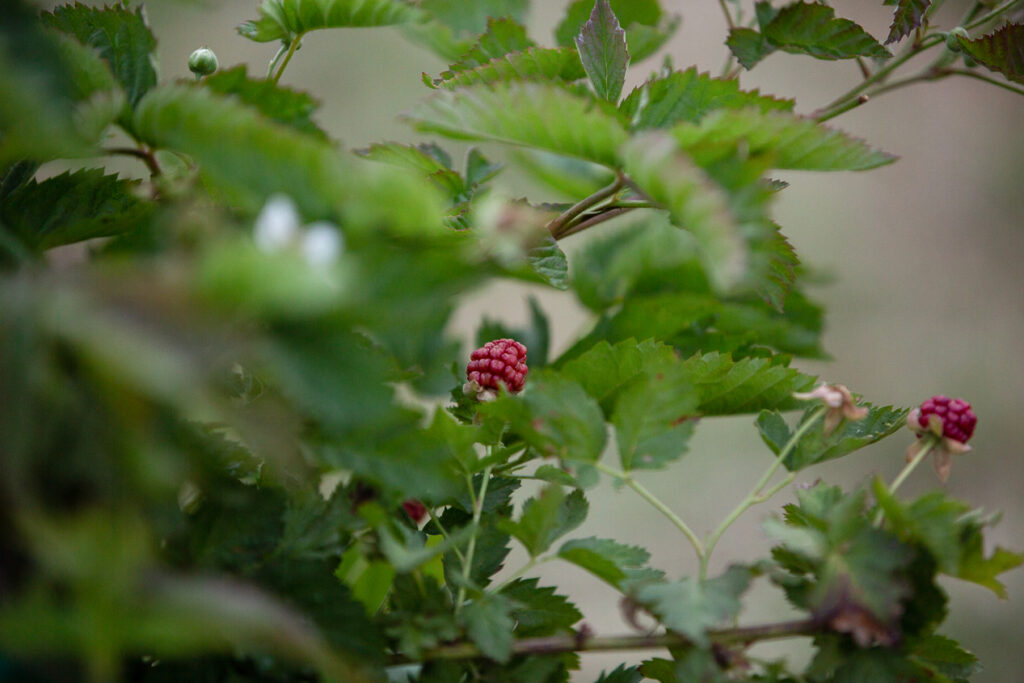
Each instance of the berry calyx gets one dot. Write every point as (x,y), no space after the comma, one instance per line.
(501,360)
(956,416)
(202,62)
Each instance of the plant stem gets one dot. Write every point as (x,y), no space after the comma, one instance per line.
(632,483)
(755,495)
(982,77)
(727,13)
(581,642)
(905,472)
(146,155)
(558,224)
(518,574)
(292,47)
(277,58)
(478,506)
(444,533)
(594,220)
(994,14)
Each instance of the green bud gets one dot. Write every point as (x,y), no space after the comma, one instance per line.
(202,62)
(953,38)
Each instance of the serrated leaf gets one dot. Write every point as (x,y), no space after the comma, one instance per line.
(814,447)
(945,656)
(690,96)
(248,158)
(488,622)
(694,202)
(654,418)
(647,28)
(907,16)
(73,207)
(787,141)
(492,547)
(813,29)
(539,115)
(571,178)
(539,611)
(547,517)
(690,606)
(1001,51)
(976,567)
(549,263)
(608,560)
(602,47)
(287,20)
(776,260)
(604,369)
(416,158)
(473,17)
(621,674)
(748,46)
(534,63)
(122,37)
(284,105)
(728,387)
(503,36)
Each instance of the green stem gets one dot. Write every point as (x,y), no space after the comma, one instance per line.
(478,506)
(593,220)
(986,79)
(292,47)
(557,225)
(147,156)
(755,495)
(727,13)
(905,472)
(632,483)
(581,642)
(519,573)
(277,58)
(994,14)
(444,533)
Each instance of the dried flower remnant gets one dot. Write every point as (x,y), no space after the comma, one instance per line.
(840,403)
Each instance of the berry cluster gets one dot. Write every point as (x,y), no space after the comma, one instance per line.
(958,419)
(501,360)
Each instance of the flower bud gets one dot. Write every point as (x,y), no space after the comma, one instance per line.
(953,38)
(202,62)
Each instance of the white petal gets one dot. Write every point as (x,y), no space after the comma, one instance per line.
(277,224)
(322,244)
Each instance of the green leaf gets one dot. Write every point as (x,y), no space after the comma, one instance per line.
(786,140)
(539,611)
(1001,51)
(690,606)
(908,16)
(602,47)
(945,656)
(690,96)
(814,447)
(647,28)
(547,517)
(694,202)
(569,177)
(540,115)
(473,17)
(976,567)
(813,29)
(248,158)
(604,369)
(748,46)
(289,107)
(287,20)
(608,560)
(492,547)
(534,63)
(488,622)
(729,387)
(73,207)
(419,158)
(549,263)
(555,416)
(503,36)
(122,38)
(621,674)
(654,418)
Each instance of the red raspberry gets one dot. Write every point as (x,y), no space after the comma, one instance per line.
(416,510)
(958,419)
(499,360)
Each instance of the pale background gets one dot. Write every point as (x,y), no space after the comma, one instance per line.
(927,296)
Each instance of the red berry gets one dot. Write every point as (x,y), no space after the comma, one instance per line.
(416,510)
(501,360)
(958,419)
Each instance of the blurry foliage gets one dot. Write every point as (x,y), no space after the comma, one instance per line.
(216,431)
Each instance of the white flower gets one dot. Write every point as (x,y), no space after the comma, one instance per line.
(322,244)
(277,225)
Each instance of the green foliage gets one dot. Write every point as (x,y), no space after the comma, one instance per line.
(224,451)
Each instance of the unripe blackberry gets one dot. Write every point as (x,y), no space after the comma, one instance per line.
(501,360)
(958,419)
(202,62)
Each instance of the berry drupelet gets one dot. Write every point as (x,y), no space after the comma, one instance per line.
(501,360)
(958,419)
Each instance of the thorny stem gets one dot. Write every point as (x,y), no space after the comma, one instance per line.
(478,506)
(581,642)
(557,225)
(632,483)
(756,494)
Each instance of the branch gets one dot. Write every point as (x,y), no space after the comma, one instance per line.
(594,220)
(581,641)
(557,225)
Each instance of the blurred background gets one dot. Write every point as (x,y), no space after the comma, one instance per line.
(924,291)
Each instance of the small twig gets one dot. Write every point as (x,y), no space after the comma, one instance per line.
(864,70)
(558,224)
(986,79)
(478,506)
(146,155)
(594,220)
(580,642)
(994,14)
(727,13)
